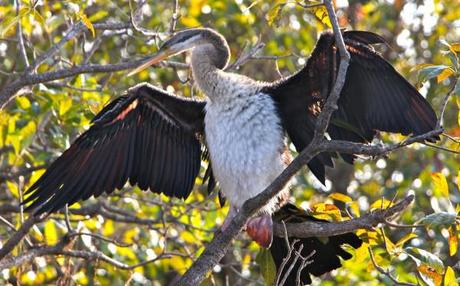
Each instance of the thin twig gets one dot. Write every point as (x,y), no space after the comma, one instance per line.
(387,272)
(444,103)
(20,36)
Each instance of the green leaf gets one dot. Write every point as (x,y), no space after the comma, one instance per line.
(438,219)
(267,266)
(429,265)
(430,72)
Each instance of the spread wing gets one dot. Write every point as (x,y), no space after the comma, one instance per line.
(375,97)
(146,136)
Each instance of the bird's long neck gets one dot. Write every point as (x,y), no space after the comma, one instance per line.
(208,61)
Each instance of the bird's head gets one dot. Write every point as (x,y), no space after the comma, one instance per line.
(186,40)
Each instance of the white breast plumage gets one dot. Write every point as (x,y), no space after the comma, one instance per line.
(245,141)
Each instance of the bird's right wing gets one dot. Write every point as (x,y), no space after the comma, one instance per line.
(147,136)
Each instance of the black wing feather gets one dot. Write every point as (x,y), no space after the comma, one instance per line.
(375,97)
(142,137)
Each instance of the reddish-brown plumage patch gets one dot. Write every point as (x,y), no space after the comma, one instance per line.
(126,111)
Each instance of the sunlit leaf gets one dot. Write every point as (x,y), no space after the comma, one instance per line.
(421,256)
(9,23)
(405,238)
(431,72)
(453,240)
(50,231)
(320,13)
(458,180)
(324,211)
(455,47)
(13,188)
(340,197)
(444,74)
(65,105)
(82,16)
(23,102)
(381,204)
(267,265)
(274,14)
(440,184)
(449,277)
(430,275)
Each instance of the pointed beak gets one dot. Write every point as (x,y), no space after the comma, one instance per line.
(158,57)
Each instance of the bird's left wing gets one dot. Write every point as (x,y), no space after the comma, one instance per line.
(147,136)
(375,97)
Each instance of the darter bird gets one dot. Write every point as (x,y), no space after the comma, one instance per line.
(155,139)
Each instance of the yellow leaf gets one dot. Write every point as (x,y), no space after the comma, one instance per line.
(440,184)
(421,66)
(50,232)
(64,105)
(189,22)
(323,210)
(23,102)
(453,241)
(449,277)
(87,22)
(406,238)
(13,188)
(320,13)
(458,174)
(9,23)
(455,47)
(340,197)
(444,74)
(430,273)
(381,204)
(354,206)
(108,228)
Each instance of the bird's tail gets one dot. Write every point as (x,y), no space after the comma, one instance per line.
(327,250)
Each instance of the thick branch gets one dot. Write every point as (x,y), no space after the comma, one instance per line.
(311,229)
(30,79)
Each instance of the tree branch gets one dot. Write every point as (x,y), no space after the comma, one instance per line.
(19,235)
(367,221)
(59,249)
(30,79)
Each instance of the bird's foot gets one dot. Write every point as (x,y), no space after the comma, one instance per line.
(260,229)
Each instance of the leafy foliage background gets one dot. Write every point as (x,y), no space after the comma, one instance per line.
(139,226)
